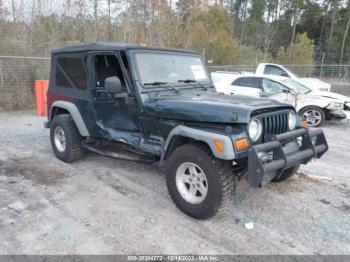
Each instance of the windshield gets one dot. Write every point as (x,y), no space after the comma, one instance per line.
(155,68)
(296,86)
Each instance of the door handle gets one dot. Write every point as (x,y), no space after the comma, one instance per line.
(265,94)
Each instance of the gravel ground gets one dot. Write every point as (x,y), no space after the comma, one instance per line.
(106,206)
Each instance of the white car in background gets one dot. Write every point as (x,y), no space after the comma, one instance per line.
(314,106)
(279,70)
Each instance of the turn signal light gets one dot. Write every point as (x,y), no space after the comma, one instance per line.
(242,144)
(219,146)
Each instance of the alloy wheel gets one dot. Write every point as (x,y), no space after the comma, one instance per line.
(191,183)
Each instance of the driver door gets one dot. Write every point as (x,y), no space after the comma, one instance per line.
(276,91)
(114,113)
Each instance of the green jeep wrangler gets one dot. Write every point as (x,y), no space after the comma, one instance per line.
(159,105)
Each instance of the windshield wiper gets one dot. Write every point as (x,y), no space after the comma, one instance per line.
(158,83)
(187,81)
(192,81)
(155,83)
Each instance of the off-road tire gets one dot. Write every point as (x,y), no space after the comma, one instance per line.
(221,180)
(73,151)
(322,113)
(286,174)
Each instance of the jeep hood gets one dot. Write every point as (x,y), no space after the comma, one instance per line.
(209,107)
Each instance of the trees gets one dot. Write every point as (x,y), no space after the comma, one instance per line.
(311,20)
(346,34)
(211,30)
(296,6)
(184,10)
(225,31)
(250,55)
(262,26)
(301,52)
(335,4)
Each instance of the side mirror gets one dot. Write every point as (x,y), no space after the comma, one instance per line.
(113,85)
(286,91)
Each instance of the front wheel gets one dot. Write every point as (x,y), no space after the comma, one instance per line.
(199,184)
(313,115)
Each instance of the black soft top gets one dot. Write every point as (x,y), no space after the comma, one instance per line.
(109,46)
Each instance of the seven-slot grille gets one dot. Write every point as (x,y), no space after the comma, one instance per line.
(275,124)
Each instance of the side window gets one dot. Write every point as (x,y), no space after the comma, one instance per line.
(243,81)
(247,82)
(274,70)
(272,87)
(60,78)
(106,66)
(256,82)
(72,68)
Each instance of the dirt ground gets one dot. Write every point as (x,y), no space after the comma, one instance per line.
(106,206)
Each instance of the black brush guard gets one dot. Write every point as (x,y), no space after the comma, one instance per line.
(313,145)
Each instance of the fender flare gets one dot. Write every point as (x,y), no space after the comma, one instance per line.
(74,112)
(316,106)
(204,136)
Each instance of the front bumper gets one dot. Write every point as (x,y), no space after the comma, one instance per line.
(313,144)
(347,113)
(337,114)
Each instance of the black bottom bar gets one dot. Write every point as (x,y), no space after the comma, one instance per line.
(313,145)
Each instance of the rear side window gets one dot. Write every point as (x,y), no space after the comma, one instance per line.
(71,68)
(244,81)
(253,82)
(274,70)
(61,80)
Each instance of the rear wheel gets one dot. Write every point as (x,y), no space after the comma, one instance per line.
(65,139)
(314,116)
(199,184)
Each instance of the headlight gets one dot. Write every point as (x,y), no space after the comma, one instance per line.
(347,106)
(254,129)
(335,106)
(292,120)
